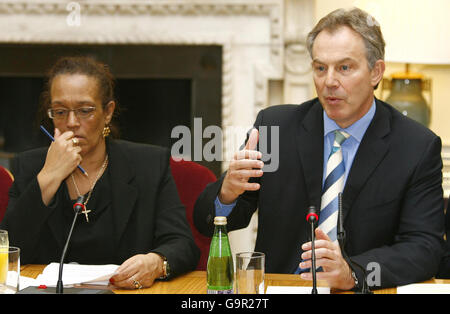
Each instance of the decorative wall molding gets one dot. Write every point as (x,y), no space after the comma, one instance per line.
(145,8)
(140,7)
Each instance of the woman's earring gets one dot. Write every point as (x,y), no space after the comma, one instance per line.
(106,131)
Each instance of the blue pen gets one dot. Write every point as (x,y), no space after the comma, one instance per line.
(51,137)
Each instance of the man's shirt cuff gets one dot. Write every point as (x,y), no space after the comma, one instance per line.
(223,209)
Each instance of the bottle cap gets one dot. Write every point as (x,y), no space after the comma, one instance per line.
(220,220)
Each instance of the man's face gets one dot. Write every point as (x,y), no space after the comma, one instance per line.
(343,80)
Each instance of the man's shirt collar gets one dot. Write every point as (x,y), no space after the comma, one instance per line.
(356,130)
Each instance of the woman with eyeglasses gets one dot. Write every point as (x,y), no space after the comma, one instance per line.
(132,213)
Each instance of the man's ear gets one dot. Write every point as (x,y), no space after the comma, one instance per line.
(376,75)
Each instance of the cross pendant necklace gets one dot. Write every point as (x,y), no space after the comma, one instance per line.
(85,211)
(99,174)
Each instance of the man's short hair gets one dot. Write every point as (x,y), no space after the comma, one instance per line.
(359,21)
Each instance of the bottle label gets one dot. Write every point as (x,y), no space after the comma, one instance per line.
(209,291)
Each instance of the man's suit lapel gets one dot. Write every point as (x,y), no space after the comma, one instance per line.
(124,194)
(310,148)
(370,153)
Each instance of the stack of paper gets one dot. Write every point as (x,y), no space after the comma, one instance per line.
(77,274)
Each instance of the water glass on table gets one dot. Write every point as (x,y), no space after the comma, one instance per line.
(4,241)
(9,265)
(10,256)
(4,244)
(250,268)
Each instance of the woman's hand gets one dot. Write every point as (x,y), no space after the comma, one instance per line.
(63,157)
(139,271)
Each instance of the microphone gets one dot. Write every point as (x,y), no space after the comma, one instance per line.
(78,207)
(341,239)
(312,216)
(313,219)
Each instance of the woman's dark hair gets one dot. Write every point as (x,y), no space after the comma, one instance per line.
(80,65)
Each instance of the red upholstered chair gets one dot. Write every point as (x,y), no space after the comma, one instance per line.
(6,180)
(191,179)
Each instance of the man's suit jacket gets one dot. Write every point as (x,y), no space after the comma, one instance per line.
(444,269)
(392,200)
(147,213)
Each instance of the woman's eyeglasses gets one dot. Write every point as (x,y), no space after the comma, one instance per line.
(63,113)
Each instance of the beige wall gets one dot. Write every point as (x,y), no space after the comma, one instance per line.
(439,74)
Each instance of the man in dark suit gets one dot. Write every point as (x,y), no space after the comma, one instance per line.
(388,167)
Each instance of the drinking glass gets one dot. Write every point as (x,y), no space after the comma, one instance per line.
(4,245)
(250,267)
(11,258)
(4,238)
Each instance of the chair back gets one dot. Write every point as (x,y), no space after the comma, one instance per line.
(191,179)
(6,180)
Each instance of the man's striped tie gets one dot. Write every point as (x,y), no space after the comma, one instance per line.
(334,184)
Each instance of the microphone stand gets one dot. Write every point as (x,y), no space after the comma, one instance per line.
(341,239)
(313,259)
(78,207)
(312,218)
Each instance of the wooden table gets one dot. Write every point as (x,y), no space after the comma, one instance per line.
(195,283)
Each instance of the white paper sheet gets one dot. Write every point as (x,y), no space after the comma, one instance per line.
(77,274)
(26,282)
(423,288)
(295,290)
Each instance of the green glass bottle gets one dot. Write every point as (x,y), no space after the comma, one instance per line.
(220,270)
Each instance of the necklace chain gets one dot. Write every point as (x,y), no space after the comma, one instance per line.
(100,172)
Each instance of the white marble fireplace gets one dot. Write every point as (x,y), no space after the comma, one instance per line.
(264,59)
